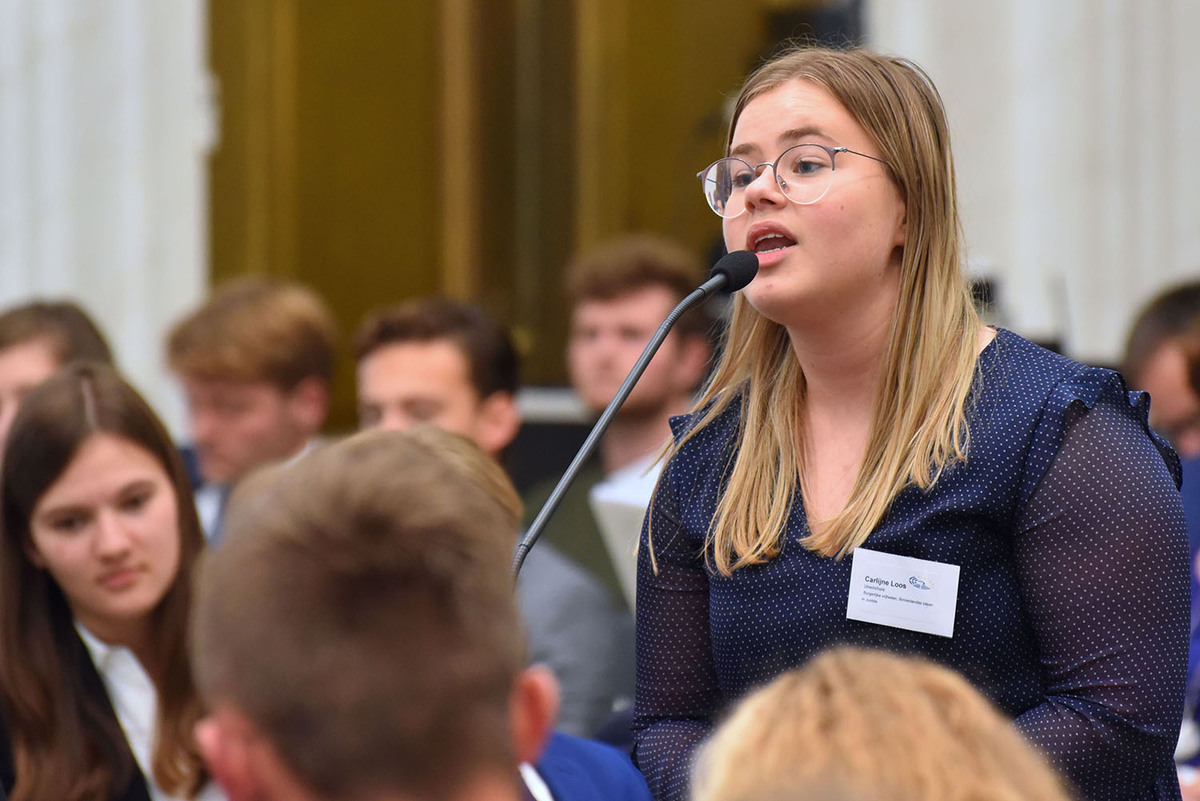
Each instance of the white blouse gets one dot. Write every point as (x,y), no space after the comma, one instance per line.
(134,699)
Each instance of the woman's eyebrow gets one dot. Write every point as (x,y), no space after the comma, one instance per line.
(801,133)
(792,135)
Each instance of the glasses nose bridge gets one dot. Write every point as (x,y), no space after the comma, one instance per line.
(761,168)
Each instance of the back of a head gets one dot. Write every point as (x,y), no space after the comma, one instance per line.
(71,334)
(1169,314)
(256,330)
(821,791)
(872,722)
(461,454)
(361,614)
(636,261)
(491,357)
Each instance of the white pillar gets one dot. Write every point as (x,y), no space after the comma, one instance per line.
(105,126)
(1075,127)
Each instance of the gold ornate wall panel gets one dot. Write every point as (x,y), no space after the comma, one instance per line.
(383,149)
(329,171)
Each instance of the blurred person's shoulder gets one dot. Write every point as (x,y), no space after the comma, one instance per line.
(577,769)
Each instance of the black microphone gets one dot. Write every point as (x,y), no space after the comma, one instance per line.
(731,273)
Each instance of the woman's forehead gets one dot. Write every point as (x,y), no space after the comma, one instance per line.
(795,111)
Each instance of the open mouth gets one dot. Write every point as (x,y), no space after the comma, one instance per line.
(771,242)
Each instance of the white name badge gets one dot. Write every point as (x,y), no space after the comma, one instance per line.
(903,592)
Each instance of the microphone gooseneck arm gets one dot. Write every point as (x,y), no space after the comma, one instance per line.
(730,278)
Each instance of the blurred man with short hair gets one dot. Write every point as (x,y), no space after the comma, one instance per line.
(619,293)
(35,340)
(1156,361)
(256,363)
(357,638)
(449,364)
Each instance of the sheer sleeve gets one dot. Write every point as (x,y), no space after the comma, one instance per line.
(1101,552)
(676,681)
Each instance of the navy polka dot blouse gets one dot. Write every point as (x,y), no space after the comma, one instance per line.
(1072,611)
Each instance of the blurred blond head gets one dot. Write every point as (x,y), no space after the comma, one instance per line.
(868,721)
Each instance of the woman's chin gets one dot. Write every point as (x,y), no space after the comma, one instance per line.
(771,302)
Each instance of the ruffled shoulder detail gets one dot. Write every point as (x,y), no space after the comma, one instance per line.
(1086,389)
(706,457)
(682,425)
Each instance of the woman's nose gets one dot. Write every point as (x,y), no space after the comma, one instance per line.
(764,188)
(111,534)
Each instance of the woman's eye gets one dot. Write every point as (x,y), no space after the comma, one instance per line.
(742,179)
(805,166)
(67,524)
(135,502)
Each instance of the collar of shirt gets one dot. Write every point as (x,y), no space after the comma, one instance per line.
(534,784)
(634,483)
(131,692)
(135,701)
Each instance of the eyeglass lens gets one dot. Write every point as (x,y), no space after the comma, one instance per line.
(804,174)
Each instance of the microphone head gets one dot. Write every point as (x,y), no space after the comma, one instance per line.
(738,267)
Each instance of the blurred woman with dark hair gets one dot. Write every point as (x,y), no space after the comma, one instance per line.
(99,535)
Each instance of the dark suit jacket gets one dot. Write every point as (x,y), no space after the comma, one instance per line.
(135,789)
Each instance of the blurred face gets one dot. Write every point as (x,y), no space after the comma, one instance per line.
(22,367)
(606,339)
(1174,405)
(107,532)
(404,384)
(834,258)
(237,426)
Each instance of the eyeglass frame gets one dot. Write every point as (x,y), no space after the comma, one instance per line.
(830,149)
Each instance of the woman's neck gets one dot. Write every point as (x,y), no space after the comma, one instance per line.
(134,635)
(842,367)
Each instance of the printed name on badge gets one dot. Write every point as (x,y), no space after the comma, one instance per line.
(903,592)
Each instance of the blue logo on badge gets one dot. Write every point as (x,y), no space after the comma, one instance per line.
(920,583)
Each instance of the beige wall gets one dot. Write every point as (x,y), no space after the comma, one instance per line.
(1075,128)
(106,121)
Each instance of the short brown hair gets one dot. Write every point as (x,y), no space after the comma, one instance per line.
(255,330)
(1166,316)
(873,722)
(361,613)
(491,357)
(71,334)
(462,454)
(634,262)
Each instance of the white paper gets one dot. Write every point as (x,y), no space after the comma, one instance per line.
(903,592)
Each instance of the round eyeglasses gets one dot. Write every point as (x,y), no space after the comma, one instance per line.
(804,174)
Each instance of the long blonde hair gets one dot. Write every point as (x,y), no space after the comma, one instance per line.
(919,422)
(871,722)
